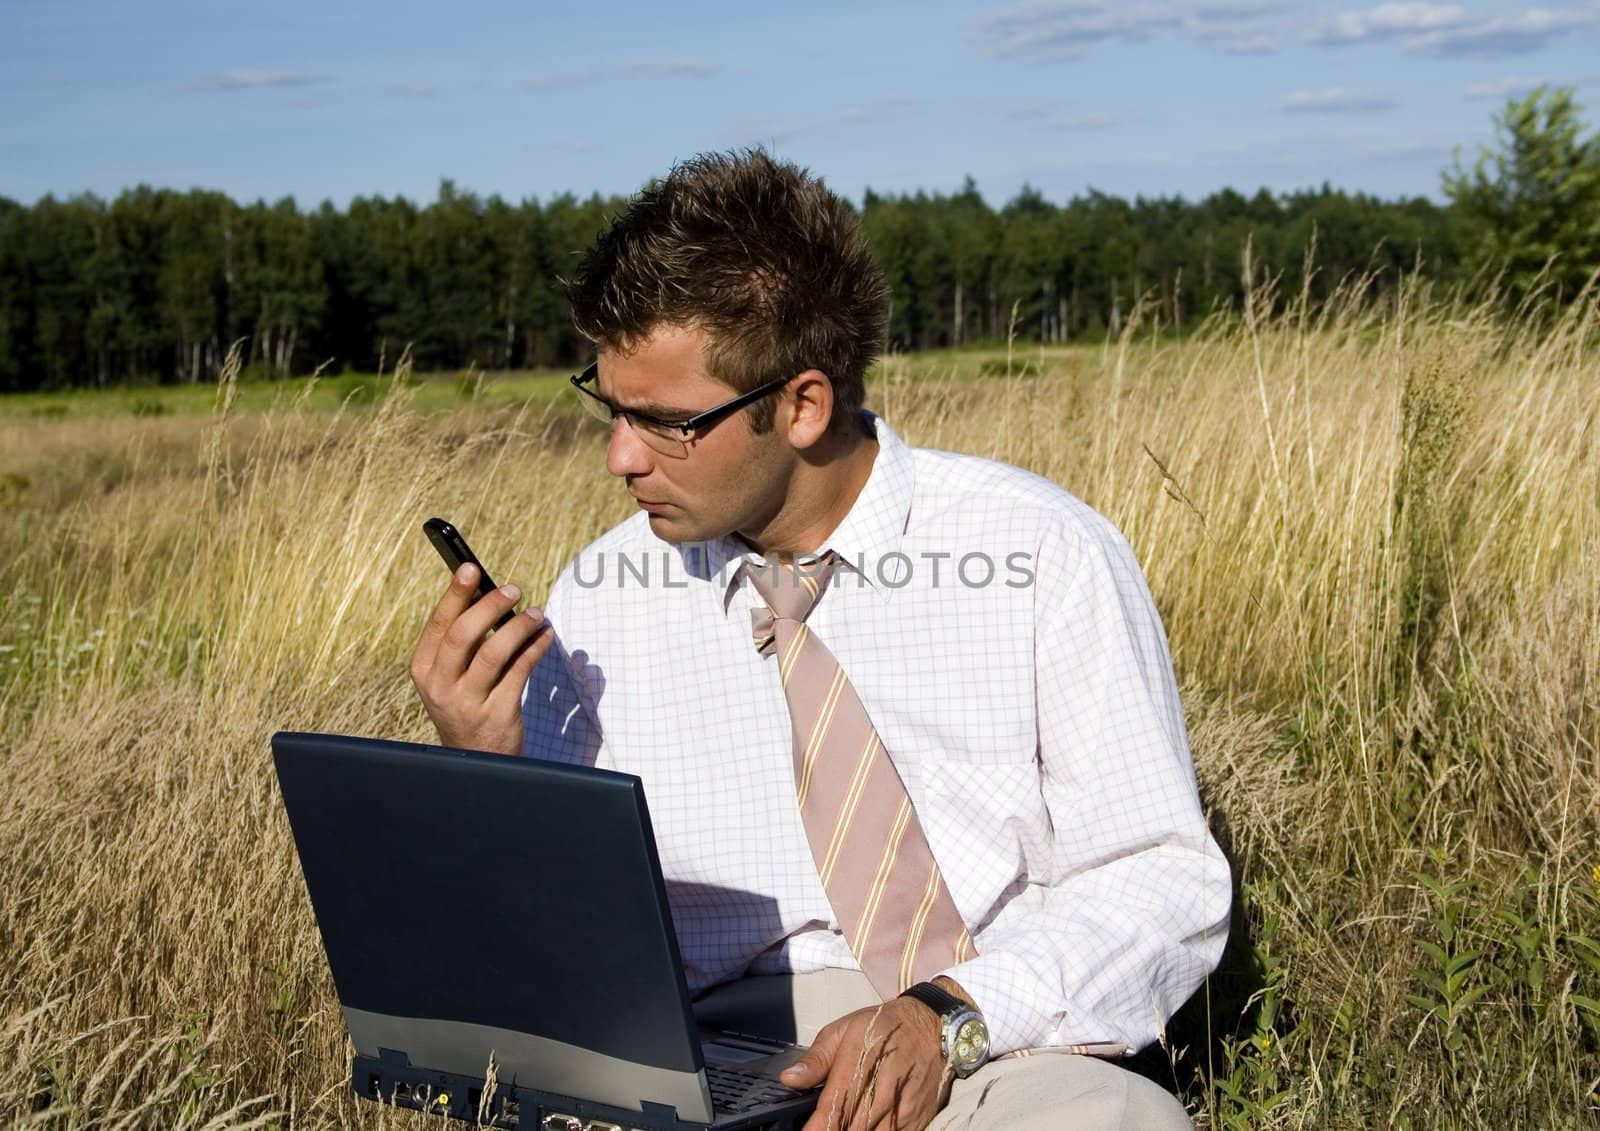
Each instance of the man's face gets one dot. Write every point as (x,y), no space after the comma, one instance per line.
(730,480)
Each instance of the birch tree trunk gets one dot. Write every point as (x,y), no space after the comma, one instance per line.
(511,323)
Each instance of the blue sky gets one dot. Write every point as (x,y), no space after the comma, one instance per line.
(341,98)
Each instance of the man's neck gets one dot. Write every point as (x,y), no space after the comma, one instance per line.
(821,493)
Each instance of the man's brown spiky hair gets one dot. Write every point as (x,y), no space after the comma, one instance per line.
(758,253)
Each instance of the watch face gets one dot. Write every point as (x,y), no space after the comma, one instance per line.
(970,1047)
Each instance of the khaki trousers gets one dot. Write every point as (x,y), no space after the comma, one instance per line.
(1035,1093)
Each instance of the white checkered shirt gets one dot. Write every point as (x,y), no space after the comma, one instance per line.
(1001,636)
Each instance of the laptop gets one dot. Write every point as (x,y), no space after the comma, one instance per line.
(499,936)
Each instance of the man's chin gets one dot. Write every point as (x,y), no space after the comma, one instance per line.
(672,529)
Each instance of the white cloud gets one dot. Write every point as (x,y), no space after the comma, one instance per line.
(1517,34)
(1389,21)
(1047,31)
(1248,45)
(1450,30)
(1338,101)
(255,80)
(1238,29)
(1050,32)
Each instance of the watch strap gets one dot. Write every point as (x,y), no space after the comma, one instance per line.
(940,1000)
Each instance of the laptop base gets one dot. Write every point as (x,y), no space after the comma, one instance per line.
(394,1081)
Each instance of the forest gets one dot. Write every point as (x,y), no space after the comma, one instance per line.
(156,284)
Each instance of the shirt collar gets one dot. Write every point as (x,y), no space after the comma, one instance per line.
(873,529)
(866,540)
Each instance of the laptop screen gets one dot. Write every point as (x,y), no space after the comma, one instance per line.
(500,892)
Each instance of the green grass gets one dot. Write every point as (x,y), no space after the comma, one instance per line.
(1373,538)
(434,391)
(448,390)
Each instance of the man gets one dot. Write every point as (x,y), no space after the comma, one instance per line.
(855,676)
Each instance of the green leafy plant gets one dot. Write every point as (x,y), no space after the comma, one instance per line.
(1450,989)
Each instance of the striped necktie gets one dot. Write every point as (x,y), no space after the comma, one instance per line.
(881,878)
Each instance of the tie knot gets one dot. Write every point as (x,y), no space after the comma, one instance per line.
(791,591)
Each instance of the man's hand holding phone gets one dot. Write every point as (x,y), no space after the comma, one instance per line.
(470,681)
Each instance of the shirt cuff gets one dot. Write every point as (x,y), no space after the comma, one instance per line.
(1019,1021)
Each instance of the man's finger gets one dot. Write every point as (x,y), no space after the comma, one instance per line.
(488,666)
(901,1104)
(909,1089)
(830,1112)
(463,638)
(898,1113)
(457,596)
(812,1067)
(514,675)
(862,1100)
(815,1066)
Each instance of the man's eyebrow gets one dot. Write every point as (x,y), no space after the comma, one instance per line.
(650,408)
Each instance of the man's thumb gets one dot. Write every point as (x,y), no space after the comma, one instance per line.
(812,1067)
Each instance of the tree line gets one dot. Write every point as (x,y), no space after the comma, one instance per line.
(156,284)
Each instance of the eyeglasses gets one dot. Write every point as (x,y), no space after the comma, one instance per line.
(665,436)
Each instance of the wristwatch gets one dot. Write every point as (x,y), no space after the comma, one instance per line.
(963,1036)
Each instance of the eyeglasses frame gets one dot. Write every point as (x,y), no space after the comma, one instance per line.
(695,423)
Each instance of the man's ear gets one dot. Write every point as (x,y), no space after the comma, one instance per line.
(810,397)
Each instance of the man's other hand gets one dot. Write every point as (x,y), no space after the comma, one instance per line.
(470,681)
(883,1068)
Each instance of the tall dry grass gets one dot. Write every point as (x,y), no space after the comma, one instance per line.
(1374,535)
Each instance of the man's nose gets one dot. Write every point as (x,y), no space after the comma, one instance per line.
(627,454)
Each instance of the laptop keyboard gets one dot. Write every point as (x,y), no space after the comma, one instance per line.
(734,1091)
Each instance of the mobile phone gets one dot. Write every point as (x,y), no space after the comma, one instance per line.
(454,550)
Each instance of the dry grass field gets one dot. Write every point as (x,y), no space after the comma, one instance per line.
(1374,535)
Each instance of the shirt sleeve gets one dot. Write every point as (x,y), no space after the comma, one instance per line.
(1134,914)
(559,722)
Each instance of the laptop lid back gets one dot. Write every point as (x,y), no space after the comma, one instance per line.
(471,903)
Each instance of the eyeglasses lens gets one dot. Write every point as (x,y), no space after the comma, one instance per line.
(668,443)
